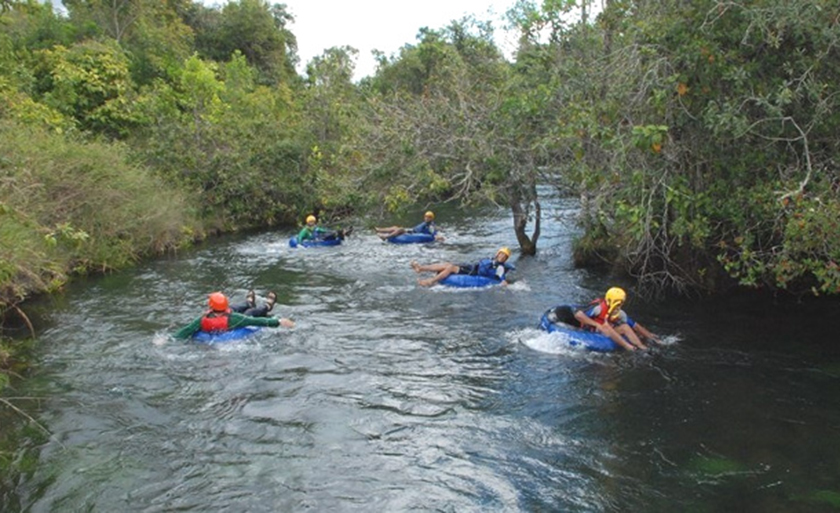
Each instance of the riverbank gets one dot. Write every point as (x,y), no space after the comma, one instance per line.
(76,207)
(72,207)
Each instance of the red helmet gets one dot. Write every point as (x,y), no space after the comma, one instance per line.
(218,302)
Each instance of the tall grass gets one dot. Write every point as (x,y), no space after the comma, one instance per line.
(68,206)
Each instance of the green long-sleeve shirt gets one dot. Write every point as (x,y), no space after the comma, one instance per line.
(235,320)
(307,233)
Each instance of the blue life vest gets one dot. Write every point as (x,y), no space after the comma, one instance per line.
(425,227)
(492,269)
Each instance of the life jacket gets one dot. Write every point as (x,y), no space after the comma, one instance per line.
(215,321)
(488,267)
(603,313)
(424,227)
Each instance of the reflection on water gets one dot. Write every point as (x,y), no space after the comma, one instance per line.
(389,397)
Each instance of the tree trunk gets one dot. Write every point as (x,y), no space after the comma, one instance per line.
(521,211)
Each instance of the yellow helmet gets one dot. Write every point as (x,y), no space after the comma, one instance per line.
(429,214)
(506,251)
(615,297)
(310,219)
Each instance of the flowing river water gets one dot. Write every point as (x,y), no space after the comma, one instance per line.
(391,397)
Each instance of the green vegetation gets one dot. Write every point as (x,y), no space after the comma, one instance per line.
(72,207)
(700,136)
(713,152)
(716,467)
(823,497)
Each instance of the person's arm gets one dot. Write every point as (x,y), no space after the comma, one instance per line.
(436,233)
(604,329)
(501,273)
(585,320)
(236,320)
(287,323)
(304,234)
(644,332)
(421,228)
(188,330)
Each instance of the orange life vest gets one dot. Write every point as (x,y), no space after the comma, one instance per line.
(215,321)
(603,312)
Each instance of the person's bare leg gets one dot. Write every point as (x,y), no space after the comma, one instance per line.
(630,335)
(385,235)
(445,271)
(607,330)
(429,268)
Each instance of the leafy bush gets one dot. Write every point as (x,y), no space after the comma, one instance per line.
(71,207)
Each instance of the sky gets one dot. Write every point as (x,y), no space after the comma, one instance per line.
(384,25)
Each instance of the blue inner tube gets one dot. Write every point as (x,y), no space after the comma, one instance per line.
(468,281)
(293,242)
(578,337)
(203,337)
(412,238)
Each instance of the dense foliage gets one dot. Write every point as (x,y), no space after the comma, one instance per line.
(700,135)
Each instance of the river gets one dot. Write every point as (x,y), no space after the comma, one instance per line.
(387,396)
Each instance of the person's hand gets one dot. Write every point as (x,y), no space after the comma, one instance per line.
(287,323)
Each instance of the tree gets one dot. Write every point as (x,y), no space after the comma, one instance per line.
(257,30)
(115,18)
(32,25)
(237,146)
(446,126)
(152,32)
(331,96)
(88,82)
(708,136)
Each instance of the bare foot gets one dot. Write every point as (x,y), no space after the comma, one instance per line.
(426,283)
(415,266)
(287,323)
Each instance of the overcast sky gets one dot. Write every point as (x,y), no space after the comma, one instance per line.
(384,25)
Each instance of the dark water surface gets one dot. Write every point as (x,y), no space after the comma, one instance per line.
(390,397)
